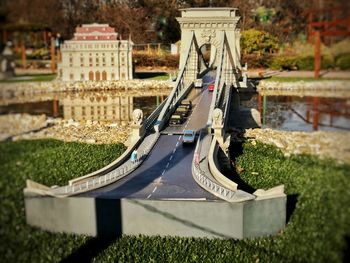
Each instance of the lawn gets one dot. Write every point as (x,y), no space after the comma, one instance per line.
(317,231)
(152,75)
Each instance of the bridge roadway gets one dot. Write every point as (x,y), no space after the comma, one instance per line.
(166,173)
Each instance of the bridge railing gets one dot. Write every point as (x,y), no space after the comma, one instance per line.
(154,115)
(204,178)
(219,82)
(226,76)
(112,176)
(184,82)
(125,155)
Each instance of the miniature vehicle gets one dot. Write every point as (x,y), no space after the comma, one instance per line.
(186,104)
(211,87)
(183,114)
(183,110)
(176,119)
(198,83)
(188,136)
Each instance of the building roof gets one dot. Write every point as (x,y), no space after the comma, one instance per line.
(95,31)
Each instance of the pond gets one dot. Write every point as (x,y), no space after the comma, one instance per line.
(277,112)
(302,113)
(97,106)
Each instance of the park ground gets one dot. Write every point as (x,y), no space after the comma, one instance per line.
(316,182)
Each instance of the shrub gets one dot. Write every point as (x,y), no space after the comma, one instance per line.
(299,62)
(340,48)
(343,61)
(255,61)
(255,41)
(145,60)
(283,62)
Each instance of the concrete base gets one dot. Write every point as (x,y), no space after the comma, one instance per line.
(184,218)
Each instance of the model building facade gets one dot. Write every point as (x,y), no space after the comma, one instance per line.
(95,54)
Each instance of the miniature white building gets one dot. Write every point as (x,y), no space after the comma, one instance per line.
(95,53)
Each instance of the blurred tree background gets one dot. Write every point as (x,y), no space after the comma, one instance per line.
(154,20)
(268,26)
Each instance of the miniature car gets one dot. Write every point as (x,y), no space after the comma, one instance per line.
(186,103)
(188,136)
(176,119)
(211,87)
(198,83)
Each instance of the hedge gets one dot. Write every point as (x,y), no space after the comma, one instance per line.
(145,60)
(299,62)
(343,61)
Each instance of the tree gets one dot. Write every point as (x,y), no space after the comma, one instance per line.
(255,41)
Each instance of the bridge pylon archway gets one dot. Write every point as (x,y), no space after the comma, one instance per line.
(209,26)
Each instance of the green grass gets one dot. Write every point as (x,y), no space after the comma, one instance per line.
(306,79)
(49,162)
(152,75)
(30,78)
(315,232)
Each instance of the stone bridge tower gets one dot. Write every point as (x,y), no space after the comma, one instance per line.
(208,26)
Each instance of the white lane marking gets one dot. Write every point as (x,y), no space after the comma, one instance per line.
(167,165)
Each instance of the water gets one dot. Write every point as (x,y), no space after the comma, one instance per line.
(97,106)
(302,113)
(280,112)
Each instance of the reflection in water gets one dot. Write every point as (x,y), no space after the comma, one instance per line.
(105,107)
(50,108)
(302,114)
(96,106)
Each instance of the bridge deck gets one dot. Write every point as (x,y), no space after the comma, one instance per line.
(166,173)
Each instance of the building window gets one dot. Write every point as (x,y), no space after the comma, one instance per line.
(70,61)
(123,75)
(71,76)
(82,76)
(90,62)
(112,61)
(91,75)
(81,61)
(123,60)
(97,62)
(113,76)
(104,75)
(97,76)
(104,62)
(83,111)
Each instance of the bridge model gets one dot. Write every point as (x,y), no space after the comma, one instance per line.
(171,188)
